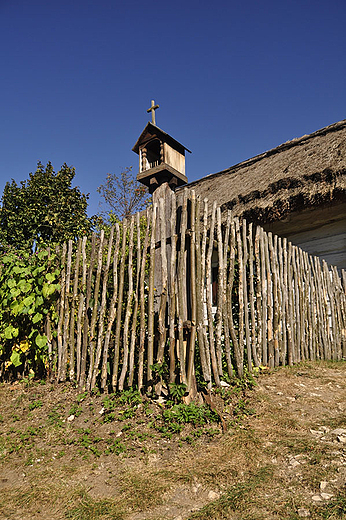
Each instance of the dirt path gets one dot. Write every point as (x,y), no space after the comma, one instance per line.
(283,456)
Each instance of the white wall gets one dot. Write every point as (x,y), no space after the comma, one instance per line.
(321,232)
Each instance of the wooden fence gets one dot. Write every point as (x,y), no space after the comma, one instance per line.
(193,293)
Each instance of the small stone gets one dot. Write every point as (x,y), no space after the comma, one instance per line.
(196,487)
(294,463)
(119,434)
(316,432)
(102,411)
(326,496)
(317,498)
(324,428)
(323,485)
(290,398)
(341,438)
(280,393)
(339,431)
(212,495)
(70,418)
(303,513)
(224,384)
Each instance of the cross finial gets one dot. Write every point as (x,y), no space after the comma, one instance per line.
(152,110)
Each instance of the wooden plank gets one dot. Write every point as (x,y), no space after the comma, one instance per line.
(258,289)
(269,296)
(142,309)
(102,311)
(62,302)
(172,289)
(246,298)
(224,296)
(151,296)
(220,292)
(128,309)
(290,308)
(93,337)
(87,311)
(322,319)
(191,380)
(119,313)
(164,283)
(282,288)
(252,296)
(272,242)
(209,302)
(181,291)
(73,311)
(296,292)
(205,354)
(331,312)
(238,358)
(81,314)
(111,312)
(264,298)
(63,361)
(136,303)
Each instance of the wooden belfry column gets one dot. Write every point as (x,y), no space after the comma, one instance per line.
(162,170)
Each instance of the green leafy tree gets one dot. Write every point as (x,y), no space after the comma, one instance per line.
(123,194)
(43,209)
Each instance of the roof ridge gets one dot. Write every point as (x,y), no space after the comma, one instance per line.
(284,146)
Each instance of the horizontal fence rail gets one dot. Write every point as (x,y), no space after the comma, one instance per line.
(186,294)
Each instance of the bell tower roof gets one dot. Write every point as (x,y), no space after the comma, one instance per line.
(161,157)
(151,131)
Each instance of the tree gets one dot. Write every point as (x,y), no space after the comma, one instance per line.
(123,194)
(45,208)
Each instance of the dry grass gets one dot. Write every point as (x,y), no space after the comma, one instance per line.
(267,466)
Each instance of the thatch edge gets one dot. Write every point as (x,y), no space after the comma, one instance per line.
(298,141)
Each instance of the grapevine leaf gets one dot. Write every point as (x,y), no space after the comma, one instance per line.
(38,317)
(41,340)
(15,292)
(29,300)
(15,359)
(11,283)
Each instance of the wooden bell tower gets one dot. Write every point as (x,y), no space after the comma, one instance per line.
(161,158)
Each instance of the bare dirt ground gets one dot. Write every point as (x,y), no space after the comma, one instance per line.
(65,455)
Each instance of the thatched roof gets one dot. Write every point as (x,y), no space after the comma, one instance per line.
(307,171)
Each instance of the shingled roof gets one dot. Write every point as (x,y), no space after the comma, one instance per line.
(304,172)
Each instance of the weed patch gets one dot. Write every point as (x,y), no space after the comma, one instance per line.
(239,498)
(88,508)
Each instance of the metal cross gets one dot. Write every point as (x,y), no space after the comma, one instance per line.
(152,110)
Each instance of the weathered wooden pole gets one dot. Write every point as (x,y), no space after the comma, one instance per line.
(162,170)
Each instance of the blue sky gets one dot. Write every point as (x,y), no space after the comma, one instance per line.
(232,78)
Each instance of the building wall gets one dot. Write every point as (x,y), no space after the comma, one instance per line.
(320,232)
